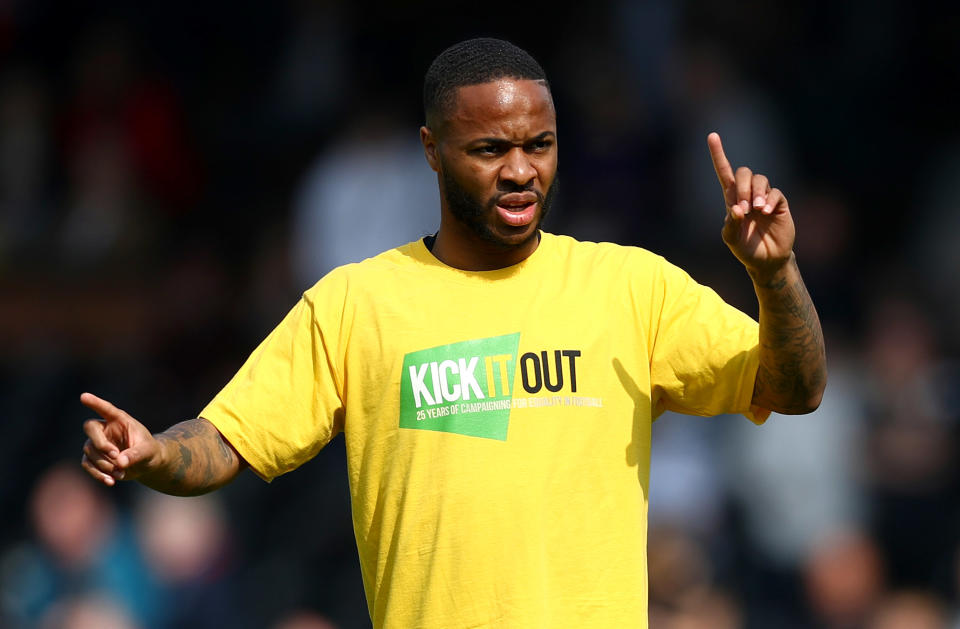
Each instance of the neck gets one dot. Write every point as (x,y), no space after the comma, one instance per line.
(457,246)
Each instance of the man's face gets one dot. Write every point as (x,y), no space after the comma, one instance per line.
(496,156)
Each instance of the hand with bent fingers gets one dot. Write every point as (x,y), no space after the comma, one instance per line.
(758,227)
(118,447)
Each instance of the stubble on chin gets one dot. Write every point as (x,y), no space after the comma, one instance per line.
(471,213)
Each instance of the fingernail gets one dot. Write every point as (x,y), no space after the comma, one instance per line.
(759,202)
(123,460)
(767,208)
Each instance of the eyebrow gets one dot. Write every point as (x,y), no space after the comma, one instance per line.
(542,136)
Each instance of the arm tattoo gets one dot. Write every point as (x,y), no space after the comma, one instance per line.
(200,460)
(792,371)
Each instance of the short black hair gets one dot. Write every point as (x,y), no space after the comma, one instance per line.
(472,62)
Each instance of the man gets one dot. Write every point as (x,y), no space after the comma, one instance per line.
(496,384)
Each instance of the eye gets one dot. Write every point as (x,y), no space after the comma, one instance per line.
(539,146)
(487,150)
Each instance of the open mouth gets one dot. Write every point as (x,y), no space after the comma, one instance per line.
(517,216)
(517,210)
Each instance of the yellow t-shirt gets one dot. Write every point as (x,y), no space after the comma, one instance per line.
(497,423)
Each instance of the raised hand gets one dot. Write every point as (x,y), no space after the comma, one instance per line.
(759,230)
(758,226)
(118,447)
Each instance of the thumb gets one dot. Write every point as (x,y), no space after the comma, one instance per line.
(133,456)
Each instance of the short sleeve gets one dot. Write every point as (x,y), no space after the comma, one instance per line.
(285,402)
(705,352)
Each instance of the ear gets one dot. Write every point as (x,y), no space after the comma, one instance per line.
(429,141)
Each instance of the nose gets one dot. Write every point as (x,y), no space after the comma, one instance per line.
(517,167)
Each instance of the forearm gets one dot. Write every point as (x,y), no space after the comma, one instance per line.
(194,460)
(792,372)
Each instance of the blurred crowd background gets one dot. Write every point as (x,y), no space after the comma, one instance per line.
(173,175)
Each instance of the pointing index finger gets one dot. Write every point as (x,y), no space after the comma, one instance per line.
(102,407)
(720,164)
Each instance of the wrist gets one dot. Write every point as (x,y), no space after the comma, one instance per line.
(769,274)
(161,456)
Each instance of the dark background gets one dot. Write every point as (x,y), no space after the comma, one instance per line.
(152,156)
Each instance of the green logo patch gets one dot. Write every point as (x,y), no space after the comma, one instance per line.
(464,388)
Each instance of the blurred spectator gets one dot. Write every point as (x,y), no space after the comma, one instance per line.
(682,590)
(82,547)
(169,568)
(370,190)
(687,488)
(844,579)
(912,441)
(188,552)
(304,619)
(798,479)
(127,157)
(713,609)
(104,218)
(793,482)
(909,610)
(89,612)
(679,568)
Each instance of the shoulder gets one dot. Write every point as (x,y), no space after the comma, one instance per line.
(626,270)
(369,272)
(603,254)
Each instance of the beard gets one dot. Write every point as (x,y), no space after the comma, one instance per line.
(472,212)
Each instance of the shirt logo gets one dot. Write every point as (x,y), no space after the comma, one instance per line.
(463,388)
